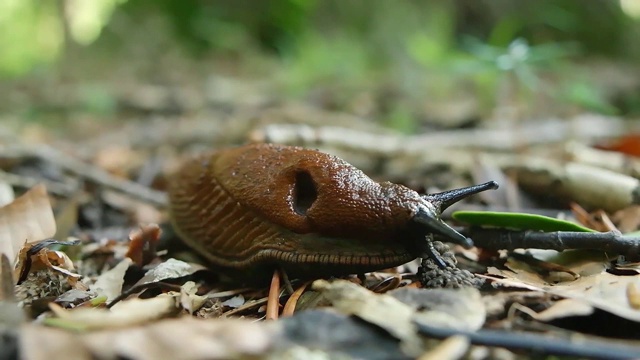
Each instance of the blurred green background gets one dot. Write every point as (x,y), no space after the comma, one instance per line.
(403,63)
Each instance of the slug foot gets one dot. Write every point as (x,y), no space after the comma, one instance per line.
(433,275)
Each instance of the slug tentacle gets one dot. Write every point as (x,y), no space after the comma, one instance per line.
(434,225)
(445,199)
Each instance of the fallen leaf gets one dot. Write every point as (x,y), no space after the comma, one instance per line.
(170,269)
(184,338)
(633,295)
(6,280)
(234,302)
(73,298)
(34,257)
(373,308)
(561,309)
(453,347)
(6,194)
(328,334)
(627,219)
(628,144)
(189,300)
(109,283)
(460,309)
(123,314)
(142,244)
(27,219)
(604,291)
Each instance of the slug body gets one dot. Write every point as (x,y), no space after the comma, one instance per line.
(301,209)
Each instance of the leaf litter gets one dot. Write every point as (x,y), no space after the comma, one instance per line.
(115,295)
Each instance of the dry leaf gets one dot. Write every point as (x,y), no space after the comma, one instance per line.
(123,314)
(561,309)
(633,295)
(7,281)
(109,283)
(6,194)
(142,244)
(460,309)
(169,269)
(627,219)
(234,302)
(453,347)
(353,299)
(36,256)
(604,291)
(28,218)
(184,338)
(189,300)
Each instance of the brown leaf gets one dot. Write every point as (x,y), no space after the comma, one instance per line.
(27,219)
(628,144)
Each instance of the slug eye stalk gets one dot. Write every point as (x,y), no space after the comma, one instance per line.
(444,199)
(430,220)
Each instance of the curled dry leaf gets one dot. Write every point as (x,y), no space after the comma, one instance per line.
(34,257)
(142,245)
(28,218)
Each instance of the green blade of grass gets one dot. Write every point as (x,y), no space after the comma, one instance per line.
(517,221)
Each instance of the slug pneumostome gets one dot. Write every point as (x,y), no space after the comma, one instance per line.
(304,210)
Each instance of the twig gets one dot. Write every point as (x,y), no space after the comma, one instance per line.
(583,127)
(142,287)
(56,188)
(612,241)
(85,170)
(246,306)
(540,344)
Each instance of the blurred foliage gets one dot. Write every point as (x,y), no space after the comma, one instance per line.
(30,34)
(421,50)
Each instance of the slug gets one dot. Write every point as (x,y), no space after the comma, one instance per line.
(309,212)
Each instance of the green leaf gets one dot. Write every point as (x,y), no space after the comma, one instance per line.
(518,221)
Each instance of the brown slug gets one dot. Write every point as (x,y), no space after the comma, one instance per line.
(304,210)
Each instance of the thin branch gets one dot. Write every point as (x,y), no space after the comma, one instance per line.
(85,170)
(540,344)
(611,242)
